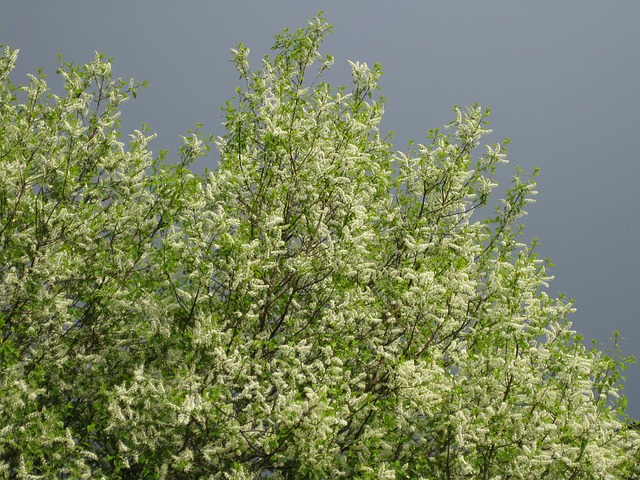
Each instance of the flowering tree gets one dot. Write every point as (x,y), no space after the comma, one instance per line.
(317,306)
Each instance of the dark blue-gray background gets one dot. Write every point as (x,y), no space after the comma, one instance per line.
(562,80)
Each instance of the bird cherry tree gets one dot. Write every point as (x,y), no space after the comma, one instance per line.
(318,305)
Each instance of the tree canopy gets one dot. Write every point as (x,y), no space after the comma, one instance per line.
(317,305)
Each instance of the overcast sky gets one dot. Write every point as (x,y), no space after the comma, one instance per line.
(562,80)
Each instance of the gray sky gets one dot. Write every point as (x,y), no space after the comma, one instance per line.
(561,79)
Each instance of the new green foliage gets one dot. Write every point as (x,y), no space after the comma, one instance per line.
(319,305)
